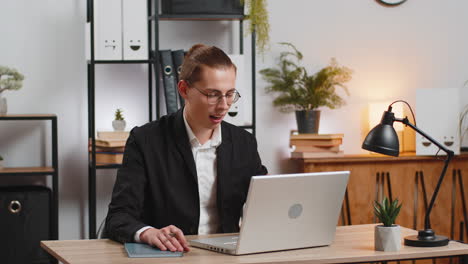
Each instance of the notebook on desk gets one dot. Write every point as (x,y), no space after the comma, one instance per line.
(286,211)
(137,250)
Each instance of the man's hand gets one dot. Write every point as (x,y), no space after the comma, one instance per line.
(167,238)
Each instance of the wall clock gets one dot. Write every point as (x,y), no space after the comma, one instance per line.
(391,2)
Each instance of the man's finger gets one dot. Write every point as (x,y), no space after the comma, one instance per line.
(156,242)
(167,242)
(180,237)
(176,243)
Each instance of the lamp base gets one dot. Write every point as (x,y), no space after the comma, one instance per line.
(426,238)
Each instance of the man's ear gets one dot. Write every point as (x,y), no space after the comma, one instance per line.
(182,86)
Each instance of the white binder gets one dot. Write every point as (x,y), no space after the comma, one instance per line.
(437,113)
(239,112)
(108,30)
(135,29)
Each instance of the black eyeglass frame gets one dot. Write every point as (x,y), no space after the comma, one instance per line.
(236,98)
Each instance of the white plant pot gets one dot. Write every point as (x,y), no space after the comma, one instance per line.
(119,125)
(3,106)
(387,238)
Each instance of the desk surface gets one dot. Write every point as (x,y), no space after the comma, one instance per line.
(352,244)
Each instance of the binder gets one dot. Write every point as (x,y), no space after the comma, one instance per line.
(161,105)
(178,59)
(135,30)
(170,90)
(108,30)
(238,114)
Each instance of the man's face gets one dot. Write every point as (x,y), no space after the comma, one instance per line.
(200,113)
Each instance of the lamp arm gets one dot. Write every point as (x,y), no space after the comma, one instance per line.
(427,224)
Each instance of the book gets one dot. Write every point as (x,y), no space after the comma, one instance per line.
(109,157)
(317,143)
(302,148)
(108,149)
(110,143)
(317,136)
(121,135)
(138,250)
(306,155)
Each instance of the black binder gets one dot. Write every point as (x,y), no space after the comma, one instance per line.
(158,77)
(178,59)
(170,85)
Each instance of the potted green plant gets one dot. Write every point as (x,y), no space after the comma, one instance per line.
(303,93)
(257,14)
(119,122)
(10,79)
(387,236)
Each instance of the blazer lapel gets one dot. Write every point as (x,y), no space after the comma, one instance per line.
(223,158)
(183,144)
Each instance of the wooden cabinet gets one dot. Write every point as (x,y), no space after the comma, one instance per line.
(409,178)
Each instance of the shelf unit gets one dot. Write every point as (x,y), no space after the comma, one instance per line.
(152,31)
(46,171)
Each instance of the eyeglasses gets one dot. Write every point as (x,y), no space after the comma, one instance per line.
(214,97)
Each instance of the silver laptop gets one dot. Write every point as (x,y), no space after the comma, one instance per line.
(286,211)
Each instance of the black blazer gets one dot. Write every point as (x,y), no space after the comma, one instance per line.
(157,184)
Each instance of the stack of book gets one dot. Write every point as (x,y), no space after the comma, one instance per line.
(316,145)
(110,146)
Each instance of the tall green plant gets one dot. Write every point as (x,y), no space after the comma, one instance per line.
(387,211)
(297,90)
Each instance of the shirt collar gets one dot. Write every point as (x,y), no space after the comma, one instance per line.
(214,141)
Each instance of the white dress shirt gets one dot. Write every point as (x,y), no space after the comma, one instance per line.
(205,161)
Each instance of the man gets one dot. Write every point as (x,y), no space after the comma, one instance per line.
(188,172)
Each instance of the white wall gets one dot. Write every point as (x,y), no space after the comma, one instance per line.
(393,52)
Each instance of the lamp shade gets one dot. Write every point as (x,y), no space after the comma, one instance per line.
(383,138)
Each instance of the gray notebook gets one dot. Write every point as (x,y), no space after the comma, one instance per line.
(137,250)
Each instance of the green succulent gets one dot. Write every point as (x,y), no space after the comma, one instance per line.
(387,211)
(10,79)
(297,90)
(118,114)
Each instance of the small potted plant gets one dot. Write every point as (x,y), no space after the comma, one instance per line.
(10,79)
(387,236)
(1,162)
(303,93)
(119,122)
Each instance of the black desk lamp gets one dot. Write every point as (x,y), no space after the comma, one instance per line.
(383,139)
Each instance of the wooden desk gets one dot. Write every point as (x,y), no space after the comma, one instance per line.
(352,244)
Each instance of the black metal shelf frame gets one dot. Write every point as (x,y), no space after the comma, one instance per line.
(93,167)
(54,216)
(152,10)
